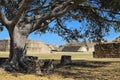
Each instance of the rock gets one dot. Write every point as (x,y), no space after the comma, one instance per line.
(107,50)
(48,66)
(65,59)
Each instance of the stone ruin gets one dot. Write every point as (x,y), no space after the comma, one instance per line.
(77,47)
(32,46)
(107,50)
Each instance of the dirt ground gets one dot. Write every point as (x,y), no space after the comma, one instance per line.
(77,70)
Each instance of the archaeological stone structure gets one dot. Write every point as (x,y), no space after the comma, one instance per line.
(117,39)
(77,47)
(37,46)
(107,50)
(33,46)
(4,45)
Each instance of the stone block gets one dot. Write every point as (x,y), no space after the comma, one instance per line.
(107,50)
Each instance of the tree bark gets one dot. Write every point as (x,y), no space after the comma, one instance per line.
(18,60)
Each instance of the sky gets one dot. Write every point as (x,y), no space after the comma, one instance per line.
(49,38)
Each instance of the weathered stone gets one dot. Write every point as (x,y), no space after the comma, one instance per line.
(34,65)
(48,66)
(77,47)
(31,46)
(3,60)
(107,50)
(66,59)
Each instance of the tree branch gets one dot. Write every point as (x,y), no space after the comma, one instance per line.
(3,18)
(100,9)
(109,11)
(50,15)
(22,8)
(38,8)
(61,9)
(3,2)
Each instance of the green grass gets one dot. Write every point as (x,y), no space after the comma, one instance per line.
(4,54)
(74,55)
(57,56)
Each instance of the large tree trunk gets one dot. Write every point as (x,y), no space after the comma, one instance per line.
(18,61)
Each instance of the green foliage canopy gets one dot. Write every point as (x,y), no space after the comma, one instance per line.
(96,16)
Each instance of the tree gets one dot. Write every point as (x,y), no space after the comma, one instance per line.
(22,17)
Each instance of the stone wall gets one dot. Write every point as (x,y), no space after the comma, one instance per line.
(107,50)
(77,47)
(37,46)
(4,45)
(32,46)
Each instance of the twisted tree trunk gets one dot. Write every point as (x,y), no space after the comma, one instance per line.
(18,60)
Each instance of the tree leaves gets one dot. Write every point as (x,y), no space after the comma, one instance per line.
(1,27)
(96,16)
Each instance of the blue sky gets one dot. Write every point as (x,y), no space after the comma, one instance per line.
(54,38)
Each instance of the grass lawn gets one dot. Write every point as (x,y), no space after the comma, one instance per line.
(57,56)
(83,67)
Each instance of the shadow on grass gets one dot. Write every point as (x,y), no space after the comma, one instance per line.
(85,64)
(80,69)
